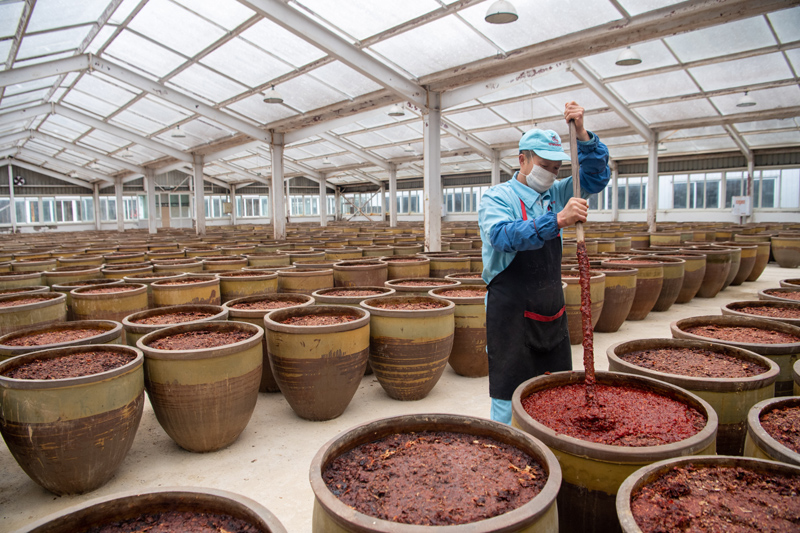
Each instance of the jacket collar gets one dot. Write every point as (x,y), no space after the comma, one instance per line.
(528,195)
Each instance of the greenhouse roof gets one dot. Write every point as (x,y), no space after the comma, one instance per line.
(101,89)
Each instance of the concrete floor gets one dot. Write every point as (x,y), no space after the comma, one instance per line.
(270,460)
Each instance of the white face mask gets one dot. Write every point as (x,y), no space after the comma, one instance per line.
(540,179)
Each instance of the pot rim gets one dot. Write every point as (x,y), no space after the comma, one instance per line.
(259,313)
(135,327)
(27,289)
(448,309)
(607,452)
(153,276)
(17,275)
(763,439)
(765,379)
(320,293)
(47,299)
(271,319)
(392,283)
(462,300)
(738,321)
(200,353)
(794,304)
(39,384)
(203,281)
(305,273)
(233,277)
(113,332)
(68,287)
(140,289)
(518,518)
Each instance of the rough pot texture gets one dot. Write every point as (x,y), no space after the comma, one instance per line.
(304,281)
(572,301)
(359,273)
(649,280)
(111,334)
(786,249)
(718,266)
(234,285)
(203,291)
(110,305)
(400,268)
(618,295)
(419,290)
(468,356)
(48,308)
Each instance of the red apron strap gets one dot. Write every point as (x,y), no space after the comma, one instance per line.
(524,212)
(543,318)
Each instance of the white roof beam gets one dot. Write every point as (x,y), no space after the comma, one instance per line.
(25,114)
(352,148)
(228,152)
(321,127)
(44,70)
(180,99)
(58,162)
(242,172)
(736,118)
(51,173)
(15,137)
(87,152)
(367,177)
(613,101)
(9,153)
(740,142)
(481,147)
(190,172)
(321,37)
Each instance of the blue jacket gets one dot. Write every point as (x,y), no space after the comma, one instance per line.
(503,231)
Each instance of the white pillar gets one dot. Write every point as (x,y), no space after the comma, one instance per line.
(652,183)
(432,176)
(278,220)
(337,204)
(393,195)
(287,201)
(751,169)
(723,189)
(120,207)
(495,167)
(614,191)
(12,205)
(199,195)
(96,205)
(383,202)
(233,204)
(323,202)
(150,187)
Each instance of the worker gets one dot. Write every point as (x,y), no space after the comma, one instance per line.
(520,223)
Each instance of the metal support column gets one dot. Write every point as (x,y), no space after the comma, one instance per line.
(120,207)
(150,187)
(614,191)
(199,194)
(495,167)
(12,204)
(233,204)
(323,202)
(432,176)
(652,183)
(337,205)
(383,203)
(751,169)
(393,196)
(96,205)
(278,220)
(287,202)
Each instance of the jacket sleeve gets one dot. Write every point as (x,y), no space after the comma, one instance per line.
(595,173)
(508,234)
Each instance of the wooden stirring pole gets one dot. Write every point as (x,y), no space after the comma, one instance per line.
(583,269)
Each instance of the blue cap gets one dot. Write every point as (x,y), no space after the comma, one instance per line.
(544,143)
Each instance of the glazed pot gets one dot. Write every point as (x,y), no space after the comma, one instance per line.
(63,275)
(783,354)
(307,360)
(135,330)
(442,266)
(673,282)
(33,265)
(121,271)
(359,273)
(13,280)
(80,260)
(201,252)
(375,252)
(400,285)
(33,289)
(735,308)
(43,309)
(235,285)
(653,472)
(268,260)
(665,239)
(70,435)
(407,267)
(67,289)
(111,333)
(791,283)
(238,249)
(256,316)
(572,301)
(649,279)
(785,249)
(796,377)
(165,255)
(341,254)
(148,278)
(351,295)
(203,397)
(694,270)
(409,349)
(473,278)
(108,305)
(619,293)
(780,294)
(731,398)
(200,290)
(718,266)
(332,515)
(762,258)
(214,264)
(120,258)
(178,266)
(749,254)
(594,472)
(132,504)
(762,445)
(736,261)
(304,281)
(468,356)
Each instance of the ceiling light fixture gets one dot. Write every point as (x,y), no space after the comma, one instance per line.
(177,133)
(456,167)
(501,12)
(273,97)
(408,148)
(326,161)
(746,101)
(662,147)
(125,153)
(396,111)
(628,57)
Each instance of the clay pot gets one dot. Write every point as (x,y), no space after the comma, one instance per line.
(749,254)
(67,289)
(240,284)
(131,505)
(33,289)
(442,266)
(178,266)
(111,305)
(135,330)
(468,356)
(111,334)
(734,308)
(376,251)
(694,270)
(475,261)
(736,261)
(649,280)
(313,264)
(304,281)
(330,514)
(665,239)
(120,258)
(464,280)
(399,267)
(718,266)
(70,435)
(307,360)
(796,377)
(165,255)
(201,252)
(619,293)
(62,275)
(784,355)
(80,260)
(359,273)
(238,250)
(572,301)
(49,308)
(730,398)
(203,397)
(779,294)
(785,249)
(413,290)
(228,263)
(341,254)
(409,349)
(13,280)
(268,260)
(121,271)
(203,290)
(673,282)
(594,472)
(762,445)
(653,472)
(790,283)
(33,265)
(762,258)
(406,248)
(324,296)
(148,278)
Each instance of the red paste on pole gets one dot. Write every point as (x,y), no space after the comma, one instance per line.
(586,322)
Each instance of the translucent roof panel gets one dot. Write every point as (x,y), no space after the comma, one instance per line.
(399,134)
(175,27)
(786,24)
(246,63)
(227,13)
(761,125)
(475,119)
(52,42)
(273,39)
(30,85)
(34,97)
(729,38)
(605,121)
(379,118)
(63,127)
(664,85)
(37,60)
(361,19)
(100,39)
(9,18)
(89,103)
(514,91)
(503,136)
(254,108)
(158,110)
(143,54)
(584,97)
(742,72)
(530,110)
(435,46)
(123,11)
(794,58)
(699,145)
(204,128)
(367,139)
(654,55)
(344,78)
(103,141)
(637,7)
(5,47)
(50,14)
(765,99)
(618,152)
(553,80)
(207,84)
(699,132)
(305,93)
(553,18)
(135,122)
(782,138)
(676,111)
(103,90)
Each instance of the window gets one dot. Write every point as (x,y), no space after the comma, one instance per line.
(48,210)
(680,191)
(179,206)
(458,199)
(5,212)
(735,185)
(108,208)
(87,203)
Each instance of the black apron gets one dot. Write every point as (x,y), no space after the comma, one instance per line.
(526,322)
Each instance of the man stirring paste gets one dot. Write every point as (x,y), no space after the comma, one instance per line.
(520,222)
